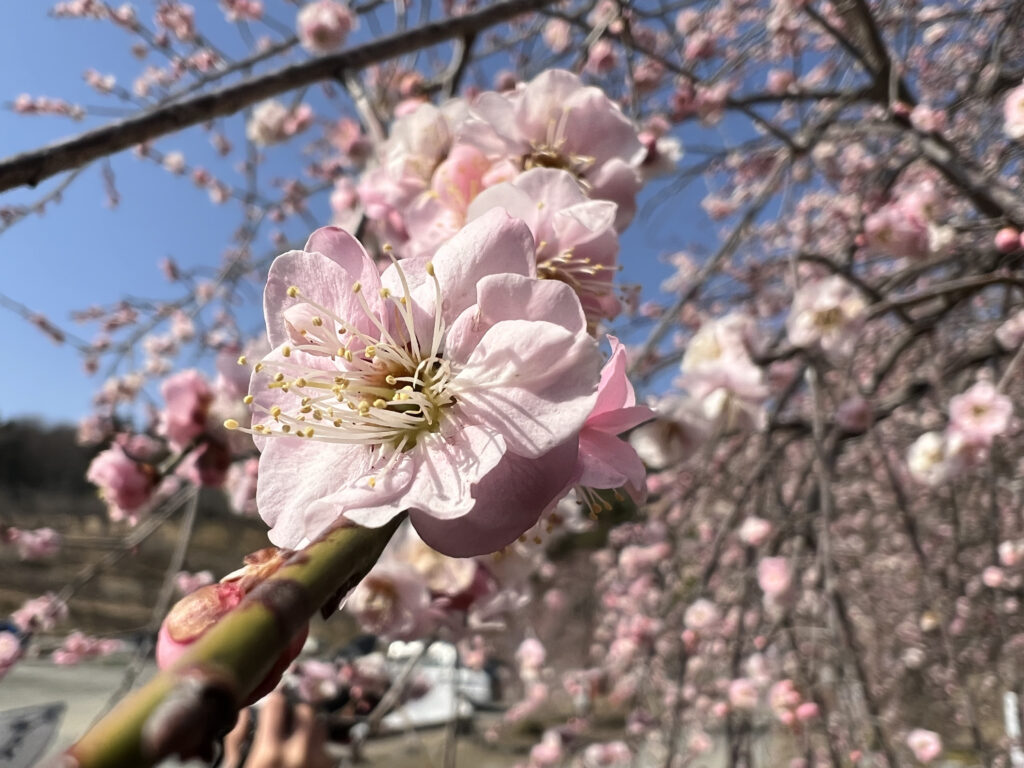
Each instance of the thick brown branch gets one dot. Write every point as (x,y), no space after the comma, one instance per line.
(35,166)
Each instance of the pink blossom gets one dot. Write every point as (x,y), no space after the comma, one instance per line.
(272,122)
(601,57)
(903,226)
(774,576)
(530,655)
(324,25)
(548,752)
(78,647)
(555,121)
(980,414)
(37,544)
(828,313)
(701,614)
(743,694)
(125,484)
(614,754)
(177,18)
(933,458)
(41,613)
(419,142)
(926,745)
(452,339)
(575,236)
(187,398)
(718,370)
(1010,334)
(1013,113)
(438,213)
(754,531)
(557,35)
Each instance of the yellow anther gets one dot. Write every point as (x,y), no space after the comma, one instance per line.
(372,482)
(384,293)
(338,422)
(306,409)
(357,287)
(247,399)
(309,432)
(317,321)
(241,359)
(370,351)
(293,291)
(279,377)
(230,424)
(390,379)
(430,268)
(276,412)
(299,382)
(258,367)
(286,351)
(286,428)
(379,403)
(387,248)
(259,428)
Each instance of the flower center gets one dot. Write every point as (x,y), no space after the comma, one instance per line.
(384,390)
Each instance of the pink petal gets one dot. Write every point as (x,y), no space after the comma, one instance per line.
(450,466)
(532,382)
(508,502)
(608,462)
(513,297)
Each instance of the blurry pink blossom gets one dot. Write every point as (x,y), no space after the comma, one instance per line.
(125,484)
(79,647)
(754,531)
(774,576)
(828,313)
(1010,334)
(926,745)
(701,614)
(980,414)
(37,544)
(187,398)
(324,25)
(41,613)
(743,694)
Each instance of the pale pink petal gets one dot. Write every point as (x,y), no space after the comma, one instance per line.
(534,382)
(608,462)
(508,501)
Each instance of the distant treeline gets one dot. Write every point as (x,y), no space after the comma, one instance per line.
(34,456)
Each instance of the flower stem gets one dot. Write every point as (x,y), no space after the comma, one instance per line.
(183,710)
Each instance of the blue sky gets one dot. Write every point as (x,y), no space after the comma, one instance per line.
(82,252)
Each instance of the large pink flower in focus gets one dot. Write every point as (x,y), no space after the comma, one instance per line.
(453,388)
(555,121)
(576,238)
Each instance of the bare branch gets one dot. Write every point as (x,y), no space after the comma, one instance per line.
(33,167)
